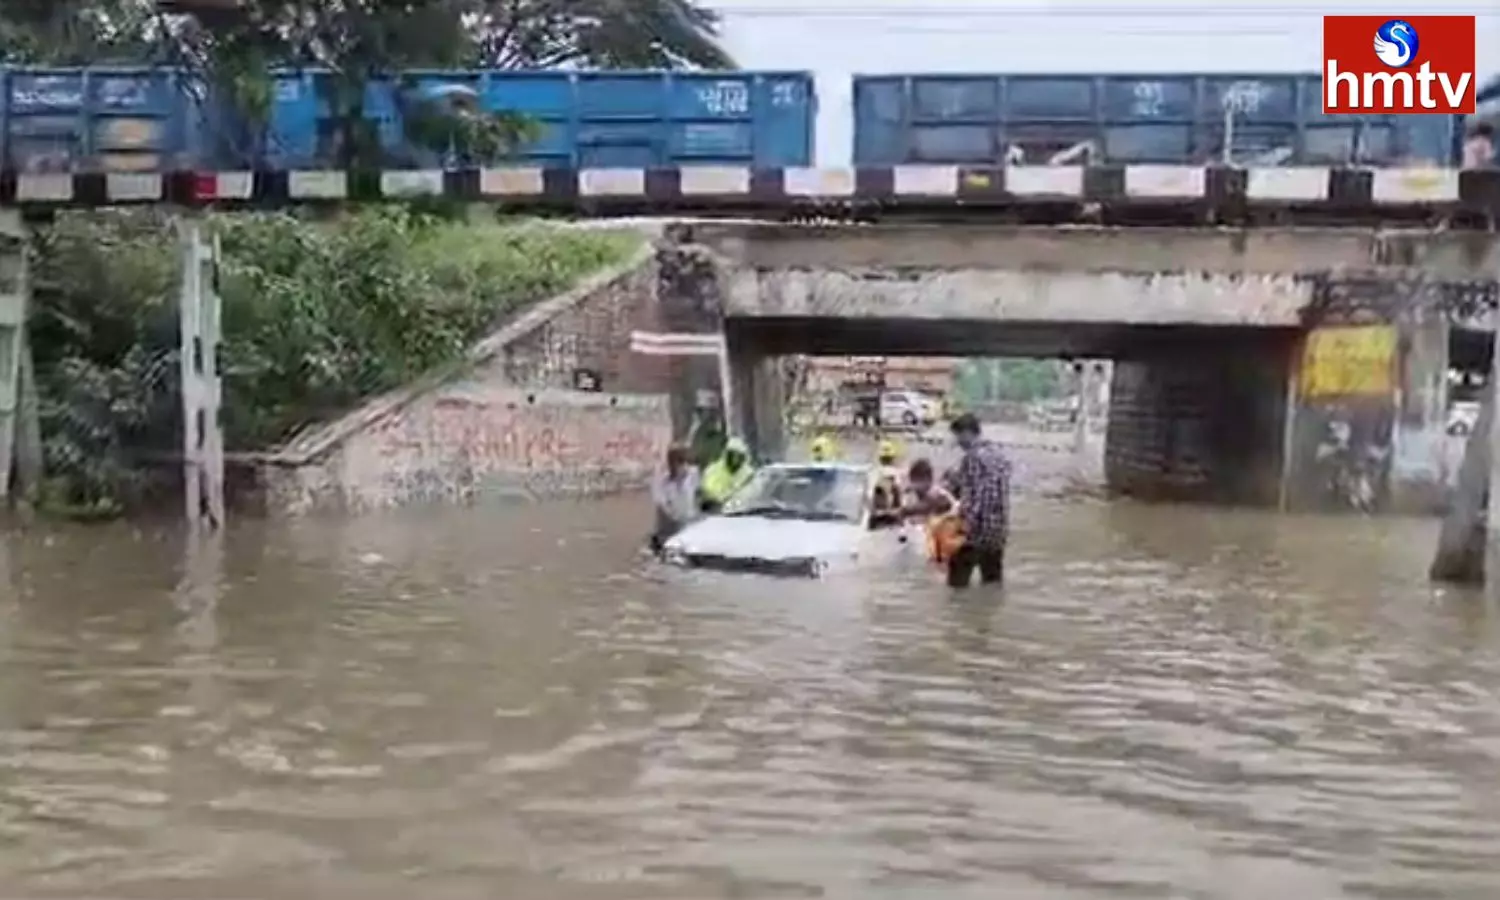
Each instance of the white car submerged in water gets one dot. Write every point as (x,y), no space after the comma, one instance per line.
(807,519)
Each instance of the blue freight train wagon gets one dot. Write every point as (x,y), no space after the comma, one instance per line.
(98,119)
(586,119)
(1168,119)
(119,119)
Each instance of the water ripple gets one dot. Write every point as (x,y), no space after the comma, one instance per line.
(1161,703)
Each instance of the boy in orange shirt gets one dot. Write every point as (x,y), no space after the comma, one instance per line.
(937,505)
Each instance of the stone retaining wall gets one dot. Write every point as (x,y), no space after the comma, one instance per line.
(478,440)
(508,421)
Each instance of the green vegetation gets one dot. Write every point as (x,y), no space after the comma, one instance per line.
(316,318)
(982,381)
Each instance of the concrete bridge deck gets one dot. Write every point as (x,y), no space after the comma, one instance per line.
(1089,275)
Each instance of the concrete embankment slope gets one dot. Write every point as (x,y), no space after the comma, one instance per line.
(509,421)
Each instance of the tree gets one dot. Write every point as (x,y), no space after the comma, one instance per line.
(640,34)
(76,32)
(588,34)
(1021,380)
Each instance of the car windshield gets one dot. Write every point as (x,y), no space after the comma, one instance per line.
(815,493)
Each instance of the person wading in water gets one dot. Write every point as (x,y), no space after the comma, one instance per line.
(937,508)
(728,474)
(982,483)
(674,493)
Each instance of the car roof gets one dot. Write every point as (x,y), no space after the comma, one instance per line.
(857,468)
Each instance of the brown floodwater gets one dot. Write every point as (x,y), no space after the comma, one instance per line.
(1162,702)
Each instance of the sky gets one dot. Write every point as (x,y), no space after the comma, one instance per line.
(836,39)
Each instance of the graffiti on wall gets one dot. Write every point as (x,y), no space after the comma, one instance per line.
(1346,381)
(520,436)
(1343,456)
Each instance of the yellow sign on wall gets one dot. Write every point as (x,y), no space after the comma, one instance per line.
(1350,361)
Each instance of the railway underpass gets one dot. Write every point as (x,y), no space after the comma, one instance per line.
(1303,369)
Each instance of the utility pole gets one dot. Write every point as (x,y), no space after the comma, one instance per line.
(199,311)
(14,296)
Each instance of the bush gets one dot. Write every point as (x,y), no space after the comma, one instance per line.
(317,317)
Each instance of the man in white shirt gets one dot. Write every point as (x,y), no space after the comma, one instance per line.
(674,494)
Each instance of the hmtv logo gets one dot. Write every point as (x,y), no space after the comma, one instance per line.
(1416,64)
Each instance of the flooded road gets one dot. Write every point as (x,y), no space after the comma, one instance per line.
(1162,702)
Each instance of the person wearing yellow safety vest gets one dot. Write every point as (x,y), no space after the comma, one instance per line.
(823,450)
(888,487)
(725,475)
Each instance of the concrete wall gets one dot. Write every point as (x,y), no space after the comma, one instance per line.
(587,328)
(507,422)
(479,439)
(1376,441)
(1245,425)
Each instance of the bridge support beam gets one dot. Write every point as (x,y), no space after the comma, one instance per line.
(1200,424)
(755,397)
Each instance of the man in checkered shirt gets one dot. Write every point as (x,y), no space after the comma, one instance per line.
(982,483)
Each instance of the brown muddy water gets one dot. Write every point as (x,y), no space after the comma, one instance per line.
(1162,702)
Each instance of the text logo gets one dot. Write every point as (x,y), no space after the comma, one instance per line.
(1420,64)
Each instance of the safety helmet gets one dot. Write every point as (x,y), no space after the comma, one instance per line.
(887,452)
(822,448)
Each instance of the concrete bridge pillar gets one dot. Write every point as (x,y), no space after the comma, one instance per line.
(1345,417)
(690,300)
(1201,423)
(757,394)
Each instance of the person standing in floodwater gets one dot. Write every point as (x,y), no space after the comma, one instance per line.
(708,437)
(727,474)
(674,494)
(982,483)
